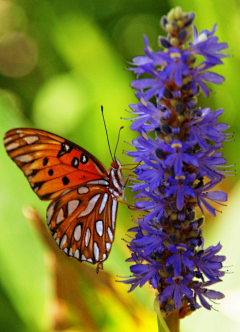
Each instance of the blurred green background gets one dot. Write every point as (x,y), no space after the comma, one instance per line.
(59,61)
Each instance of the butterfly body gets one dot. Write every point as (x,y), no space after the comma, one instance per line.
(82,214)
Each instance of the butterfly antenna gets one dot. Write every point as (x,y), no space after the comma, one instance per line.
(117,140)
(106,133)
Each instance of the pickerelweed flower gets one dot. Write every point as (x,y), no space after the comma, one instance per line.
(177,167)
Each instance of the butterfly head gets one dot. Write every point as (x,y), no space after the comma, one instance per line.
(116,179)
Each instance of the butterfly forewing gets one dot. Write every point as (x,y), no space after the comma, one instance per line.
(83,210)
(51,163)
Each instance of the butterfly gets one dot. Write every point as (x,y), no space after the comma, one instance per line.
(84,194)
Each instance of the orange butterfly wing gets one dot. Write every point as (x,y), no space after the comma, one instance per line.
(51,163)
(83,213)
(82,222)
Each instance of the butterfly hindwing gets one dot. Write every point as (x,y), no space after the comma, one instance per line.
(82,222)
(51,163)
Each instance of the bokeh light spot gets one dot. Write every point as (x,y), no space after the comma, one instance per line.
(59,104)
(18,54)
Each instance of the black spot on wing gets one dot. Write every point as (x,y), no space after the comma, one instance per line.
(45,161)
(65,180)
(36,186)
(75,162)
(65,148)
(83,158)
(34,172)
(46,197)
(50,172)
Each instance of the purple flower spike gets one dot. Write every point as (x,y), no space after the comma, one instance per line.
(178,166)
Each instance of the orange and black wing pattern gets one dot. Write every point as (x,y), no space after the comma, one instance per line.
(82,222)
(51,163)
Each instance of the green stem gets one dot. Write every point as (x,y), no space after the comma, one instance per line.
(173,321)
(167,324)
(162,326)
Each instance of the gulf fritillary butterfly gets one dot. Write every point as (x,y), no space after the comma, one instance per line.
(82,214)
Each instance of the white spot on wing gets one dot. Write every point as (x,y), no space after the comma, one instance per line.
(58,241)
(113,192)
(99,227)
(87,237)
(65,250)
(103,203)
(89,260)
(30,139)
(70,252)
(7,139)
(66,147)
(63,241)
(83,258)
(35,189)
(12,146)
(108,246)
(84,158)
(60,216)
(72,205)
(50,211)
(110,234)
(77,232)
(83,190)
(76,254)
(29,172)
(101,182)
(114,211)
(96,251)
(104,257)
(91,204)
(65,192)
(25,158)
